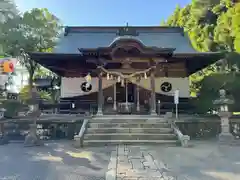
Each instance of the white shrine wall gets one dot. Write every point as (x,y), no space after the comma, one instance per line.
(182,84)
(71,87)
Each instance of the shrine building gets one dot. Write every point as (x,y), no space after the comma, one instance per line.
(124,69)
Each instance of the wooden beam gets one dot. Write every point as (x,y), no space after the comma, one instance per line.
(119,60)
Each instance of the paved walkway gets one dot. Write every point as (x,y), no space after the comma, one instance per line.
(204,161)
(60,161)
(54,161)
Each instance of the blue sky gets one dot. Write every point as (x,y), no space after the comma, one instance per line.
(106,12)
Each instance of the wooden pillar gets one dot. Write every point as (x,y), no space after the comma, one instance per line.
(115,96)
(126,95)
(153,94)
(100,95)
(138,96)
(126,92)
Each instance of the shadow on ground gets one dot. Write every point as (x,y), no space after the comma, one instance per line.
(54,161)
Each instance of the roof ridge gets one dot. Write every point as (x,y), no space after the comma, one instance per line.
(69,29)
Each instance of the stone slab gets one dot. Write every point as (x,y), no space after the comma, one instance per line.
(137,164)
(149,161)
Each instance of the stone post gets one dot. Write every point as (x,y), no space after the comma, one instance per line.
(225,137)
(153,94)
(3,137)
(32,138)
(100,95)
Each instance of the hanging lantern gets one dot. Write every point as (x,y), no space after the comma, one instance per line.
(119,79)
(88,78)
(145,75)
(138,78)
(108,77)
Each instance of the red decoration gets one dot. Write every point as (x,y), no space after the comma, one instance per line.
(11,66)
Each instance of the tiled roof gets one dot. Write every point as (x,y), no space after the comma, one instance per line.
(94,37)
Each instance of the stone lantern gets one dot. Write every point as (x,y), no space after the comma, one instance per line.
(3,137)
(225,137)
(2,111)
(32,138)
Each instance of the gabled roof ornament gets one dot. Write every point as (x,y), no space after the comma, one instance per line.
(127,31)
(66,31)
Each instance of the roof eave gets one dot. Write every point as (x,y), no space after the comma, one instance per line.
(201,60)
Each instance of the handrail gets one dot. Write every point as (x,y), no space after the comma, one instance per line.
(82,131)
(181,137)
(83,128)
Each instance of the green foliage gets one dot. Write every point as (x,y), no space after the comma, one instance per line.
(24,94)
(212,25)
(210,90)
(33,31)
(9,18)
(42,72)
(12,108)
(40,30)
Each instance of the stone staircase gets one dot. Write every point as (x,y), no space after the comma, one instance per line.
(128,129)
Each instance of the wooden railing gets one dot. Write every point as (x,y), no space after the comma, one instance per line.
(83,106)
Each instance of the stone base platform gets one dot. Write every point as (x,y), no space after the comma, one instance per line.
(228,139)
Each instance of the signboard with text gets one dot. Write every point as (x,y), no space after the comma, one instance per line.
(176,97)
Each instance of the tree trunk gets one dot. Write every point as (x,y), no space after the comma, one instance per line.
(32,106)
(30,82)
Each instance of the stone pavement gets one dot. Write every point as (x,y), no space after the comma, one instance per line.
(203,161)
(135,163)
(60,161)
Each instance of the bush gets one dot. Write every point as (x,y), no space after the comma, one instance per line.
(24,94)
(12,108)
(210,87)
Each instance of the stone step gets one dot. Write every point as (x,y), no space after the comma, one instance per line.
(128,125)
(119,120)
(130,117)
(134,142)
(129,130)
(129,136)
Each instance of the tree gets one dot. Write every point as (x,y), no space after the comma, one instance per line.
(212,25)
(173,20)
(24,94)
(8,10)
(39,32)
(9,18)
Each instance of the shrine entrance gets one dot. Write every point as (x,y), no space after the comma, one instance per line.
(125,93)
(125,97)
